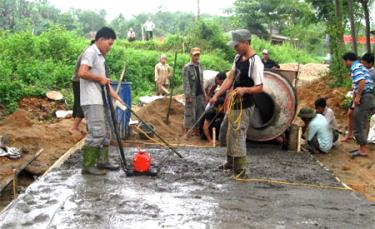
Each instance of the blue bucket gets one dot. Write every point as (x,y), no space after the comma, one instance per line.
(123,117)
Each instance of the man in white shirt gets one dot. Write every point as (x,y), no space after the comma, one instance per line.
(149,27)
(321,108)
(211,80)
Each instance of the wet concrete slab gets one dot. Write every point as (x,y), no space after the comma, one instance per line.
(192,193)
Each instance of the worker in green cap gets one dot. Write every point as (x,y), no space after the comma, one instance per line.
(246,80)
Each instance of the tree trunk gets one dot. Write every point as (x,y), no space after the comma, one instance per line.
(198,10)
(352,26)
(367,20)
(339,24)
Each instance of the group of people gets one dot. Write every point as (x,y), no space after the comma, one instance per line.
(148,27)
(237,87)
(321,131)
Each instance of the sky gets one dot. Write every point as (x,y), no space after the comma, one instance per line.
(133,7)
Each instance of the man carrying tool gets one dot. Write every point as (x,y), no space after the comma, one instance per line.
(246,78)
(195,96)
(162,76)
(92,73)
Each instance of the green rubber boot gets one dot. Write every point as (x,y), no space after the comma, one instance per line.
(239,167)
(228,165)
(103,160)
(89,159)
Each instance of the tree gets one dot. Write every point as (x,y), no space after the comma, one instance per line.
(120,26)
(261,16)
(352,26)
(331,13)
(365,6)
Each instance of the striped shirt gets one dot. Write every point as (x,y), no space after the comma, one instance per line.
(358,73)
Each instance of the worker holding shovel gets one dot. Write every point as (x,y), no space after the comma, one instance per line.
(246,78)
(92,73)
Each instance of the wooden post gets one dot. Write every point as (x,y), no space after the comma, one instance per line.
(214,136)
(14,183)
(299,139)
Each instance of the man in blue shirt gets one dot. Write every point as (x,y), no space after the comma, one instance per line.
(318,133)
(363,86)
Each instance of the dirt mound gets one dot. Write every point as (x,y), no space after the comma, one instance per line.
(19,119)
(156,113)
(41,109)
(54,137)
(308,72)
(309,92)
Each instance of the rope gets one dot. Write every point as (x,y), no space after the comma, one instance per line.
(231,106)
(149,137)
(281,182)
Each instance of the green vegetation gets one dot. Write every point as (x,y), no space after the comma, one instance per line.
(32,64)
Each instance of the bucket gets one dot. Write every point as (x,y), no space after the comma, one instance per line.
(123,117)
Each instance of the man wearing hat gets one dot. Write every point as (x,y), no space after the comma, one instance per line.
(267,62)
(195,95)
(317,131)
(246,79)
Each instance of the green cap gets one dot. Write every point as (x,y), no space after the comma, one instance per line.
(307,113)
(238,36)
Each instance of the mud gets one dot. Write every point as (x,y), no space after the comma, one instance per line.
(191,193)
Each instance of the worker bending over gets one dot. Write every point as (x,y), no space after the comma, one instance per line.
(246,78)
(213,118)
(317,131)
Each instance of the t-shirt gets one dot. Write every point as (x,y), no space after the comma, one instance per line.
(198,86)
(215,119)
(358,73)
(270,64)
(91,92)
(248,73)
(330,116)
(209,79)
(149,26)
(75,76)
(320,127)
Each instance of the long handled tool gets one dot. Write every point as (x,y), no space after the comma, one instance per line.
(196,123)
(121,78)
(115,127)
(172,85)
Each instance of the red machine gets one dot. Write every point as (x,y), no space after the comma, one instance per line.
(142,165)
(142,161)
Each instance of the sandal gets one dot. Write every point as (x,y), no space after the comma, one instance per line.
(346,138)
(358,153)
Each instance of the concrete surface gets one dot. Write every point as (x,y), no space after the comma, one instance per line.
(192,193)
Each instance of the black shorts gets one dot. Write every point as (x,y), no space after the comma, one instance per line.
(77,110)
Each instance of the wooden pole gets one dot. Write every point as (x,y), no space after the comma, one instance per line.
(15,183)
(299,139)
(214,137)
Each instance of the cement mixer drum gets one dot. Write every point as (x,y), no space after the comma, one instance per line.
(275,108)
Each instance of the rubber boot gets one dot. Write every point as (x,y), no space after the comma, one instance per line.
(239,167)
(228,165)
(103,160)
(89,159)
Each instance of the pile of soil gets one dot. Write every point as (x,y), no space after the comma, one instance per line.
(307,72)
(309,92)
(156,113)
(41,109)
(54,138)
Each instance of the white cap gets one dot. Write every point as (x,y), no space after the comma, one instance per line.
(265,51)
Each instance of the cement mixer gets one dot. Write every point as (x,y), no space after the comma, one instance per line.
(276,107)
